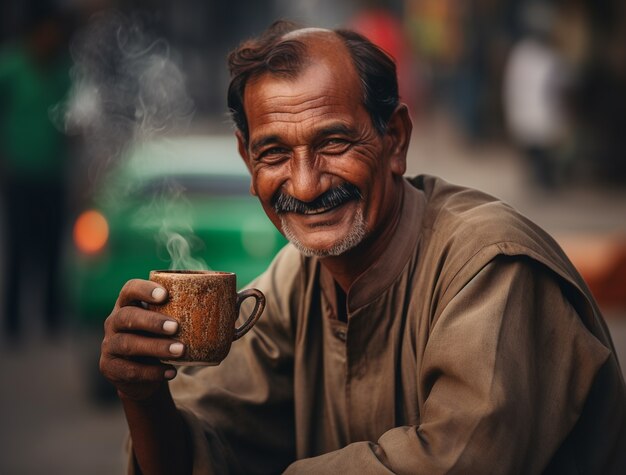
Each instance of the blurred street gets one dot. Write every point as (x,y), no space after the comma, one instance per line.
(551,144)
(49,424)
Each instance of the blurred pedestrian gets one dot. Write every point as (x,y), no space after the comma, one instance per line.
(535,84)
(33,78)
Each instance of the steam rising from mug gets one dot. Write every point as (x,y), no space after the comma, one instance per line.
(175,223)
(179,249)
(127,89)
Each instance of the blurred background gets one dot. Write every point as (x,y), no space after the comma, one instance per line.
(117,156)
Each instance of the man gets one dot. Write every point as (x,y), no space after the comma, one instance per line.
(411,327)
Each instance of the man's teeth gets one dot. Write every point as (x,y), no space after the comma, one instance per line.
(316,211)
(321,210)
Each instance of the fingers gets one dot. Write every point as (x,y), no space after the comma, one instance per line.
(135,339)
(130,361)
(137,319)
(131,345)
(132,332)
(138,290)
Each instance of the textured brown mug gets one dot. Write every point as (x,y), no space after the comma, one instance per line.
(206,306)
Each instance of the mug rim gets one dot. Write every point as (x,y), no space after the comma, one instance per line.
(190,272)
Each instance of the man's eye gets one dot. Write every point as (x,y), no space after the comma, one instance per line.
(273,154)
(334,146)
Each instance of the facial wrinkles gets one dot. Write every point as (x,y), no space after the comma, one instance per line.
(287,117)
(316,87)
(301,114)
(293,112)
(366,149)
(292,104)
(301,142)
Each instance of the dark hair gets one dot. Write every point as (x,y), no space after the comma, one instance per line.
(270,53)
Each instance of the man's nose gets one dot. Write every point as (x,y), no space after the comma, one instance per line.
(305,182)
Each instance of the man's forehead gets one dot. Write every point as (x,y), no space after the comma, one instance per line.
(321,83)
(318,97)
(326,72)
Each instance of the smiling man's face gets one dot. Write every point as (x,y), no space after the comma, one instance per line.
(318,165)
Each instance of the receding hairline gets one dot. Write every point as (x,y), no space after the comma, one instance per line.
(316,40)
(319,46)
(296,34)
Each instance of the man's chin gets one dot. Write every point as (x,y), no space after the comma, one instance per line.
(353,238)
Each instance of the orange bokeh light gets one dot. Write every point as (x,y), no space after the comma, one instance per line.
(91,232)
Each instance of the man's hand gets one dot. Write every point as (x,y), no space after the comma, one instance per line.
(136,339)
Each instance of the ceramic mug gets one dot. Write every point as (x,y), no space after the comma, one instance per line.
(206,306)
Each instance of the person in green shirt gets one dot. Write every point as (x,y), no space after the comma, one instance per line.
(33,157)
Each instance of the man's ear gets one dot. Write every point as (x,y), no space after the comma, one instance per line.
(398,137)
(245,156)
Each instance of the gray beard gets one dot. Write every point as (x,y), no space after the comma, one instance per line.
(351,240)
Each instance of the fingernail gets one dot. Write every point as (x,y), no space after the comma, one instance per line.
(170,326)
(169,374)
(177,349)
(158,293)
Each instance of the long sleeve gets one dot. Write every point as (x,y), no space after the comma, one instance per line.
(240,413)
(504,378)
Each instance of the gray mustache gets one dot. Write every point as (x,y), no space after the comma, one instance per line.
(341,194)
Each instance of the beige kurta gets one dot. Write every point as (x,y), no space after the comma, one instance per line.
(471,346)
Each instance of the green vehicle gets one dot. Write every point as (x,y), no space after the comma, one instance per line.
(172,203)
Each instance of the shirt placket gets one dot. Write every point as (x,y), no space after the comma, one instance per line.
(335,336)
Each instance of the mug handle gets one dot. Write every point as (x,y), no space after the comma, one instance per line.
(259,306)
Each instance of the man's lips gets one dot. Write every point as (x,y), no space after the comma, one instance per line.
(322,218)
